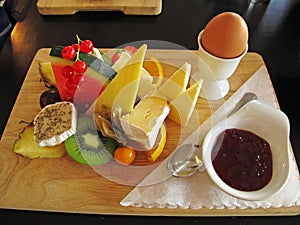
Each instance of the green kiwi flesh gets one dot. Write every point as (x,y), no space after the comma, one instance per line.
(87,146)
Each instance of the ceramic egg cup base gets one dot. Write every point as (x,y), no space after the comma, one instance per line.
(214,90)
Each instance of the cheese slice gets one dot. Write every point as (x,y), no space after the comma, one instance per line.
(55,123)
(177,83)
(182,107)
(144,122)
(146,84)
(146,81)
(122,90)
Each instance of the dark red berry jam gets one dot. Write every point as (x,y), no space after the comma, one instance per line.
(242,159)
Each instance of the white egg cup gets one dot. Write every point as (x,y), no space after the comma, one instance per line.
(215,71)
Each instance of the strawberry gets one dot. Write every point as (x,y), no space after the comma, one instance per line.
(116,56)
(130,49)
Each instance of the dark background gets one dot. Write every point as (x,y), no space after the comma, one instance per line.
(274,32)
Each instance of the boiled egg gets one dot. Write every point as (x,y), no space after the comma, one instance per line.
(225,35)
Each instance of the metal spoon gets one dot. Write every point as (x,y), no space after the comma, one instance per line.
(185,161)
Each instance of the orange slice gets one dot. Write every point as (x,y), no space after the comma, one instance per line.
(154,68)
(152,155)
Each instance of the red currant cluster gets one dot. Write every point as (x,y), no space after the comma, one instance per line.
(74,74)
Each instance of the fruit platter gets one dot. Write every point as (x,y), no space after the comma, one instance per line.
(95,110)
(90,124)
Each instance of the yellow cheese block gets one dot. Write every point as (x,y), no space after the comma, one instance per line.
(182,107)
(146,84)
(177,83)
(122,90)
(144,122)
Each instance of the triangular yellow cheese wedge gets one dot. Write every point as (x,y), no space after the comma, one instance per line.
(177,83)
(122,90)
(146,84)
(182,107)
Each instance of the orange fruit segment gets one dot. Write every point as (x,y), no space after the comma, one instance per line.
(154,68)
(152,155)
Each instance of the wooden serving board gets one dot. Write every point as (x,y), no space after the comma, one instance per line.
(130,7)
(63,185)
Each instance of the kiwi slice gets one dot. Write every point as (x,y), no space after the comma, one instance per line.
(87,146)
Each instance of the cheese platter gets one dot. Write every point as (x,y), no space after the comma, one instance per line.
(63,185)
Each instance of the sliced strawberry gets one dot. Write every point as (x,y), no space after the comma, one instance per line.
(130,49)
(115,57)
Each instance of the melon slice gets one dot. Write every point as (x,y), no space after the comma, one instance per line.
(96,78)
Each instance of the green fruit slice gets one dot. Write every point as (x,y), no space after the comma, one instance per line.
(86,146)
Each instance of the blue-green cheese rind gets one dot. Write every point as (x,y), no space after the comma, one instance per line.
(55,123)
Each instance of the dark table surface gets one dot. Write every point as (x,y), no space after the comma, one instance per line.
(274,34)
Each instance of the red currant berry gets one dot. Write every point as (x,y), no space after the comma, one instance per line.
(78,79)
(86,46)
(71,85)
(67,72)
(68,52)
(75,46)
(80,66)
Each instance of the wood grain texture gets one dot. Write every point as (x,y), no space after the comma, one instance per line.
(130,7)
(63,185)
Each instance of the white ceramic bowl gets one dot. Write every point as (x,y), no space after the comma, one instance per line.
(267,122)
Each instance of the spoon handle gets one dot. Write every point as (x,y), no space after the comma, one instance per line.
(246,98)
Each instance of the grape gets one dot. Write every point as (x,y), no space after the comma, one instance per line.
(49,97)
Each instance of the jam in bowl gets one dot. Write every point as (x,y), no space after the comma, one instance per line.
(247,154)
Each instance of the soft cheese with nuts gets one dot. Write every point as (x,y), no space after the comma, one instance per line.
(55,123)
